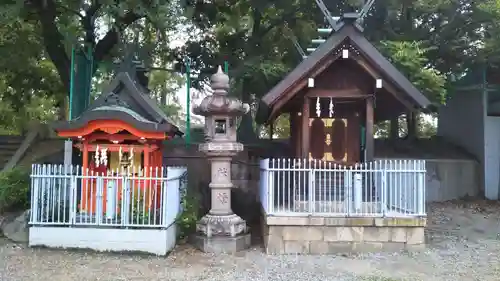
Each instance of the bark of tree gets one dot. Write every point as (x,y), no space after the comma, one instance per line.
(48,14)
(246,129)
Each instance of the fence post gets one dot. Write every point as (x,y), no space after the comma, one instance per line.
(270,188)
(383,200)
(99,197)
(357,188)
(311,189)
(125,205)
(349,190)
(72,199)
(34,194)
(263,185)
(421,187)
(172,204)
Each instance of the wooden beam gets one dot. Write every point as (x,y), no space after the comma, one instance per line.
(305,127)
(111,137)
(386,85)
(291,91)
(327,93)
(369,145)
(116,147)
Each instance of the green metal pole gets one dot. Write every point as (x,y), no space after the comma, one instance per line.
(91,58)
(188,102)
(71,83)
(226,66)
(89,72)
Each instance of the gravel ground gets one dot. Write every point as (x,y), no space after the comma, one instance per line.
(463,244)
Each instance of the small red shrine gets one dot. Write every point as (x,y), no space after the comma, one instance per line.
(120,134)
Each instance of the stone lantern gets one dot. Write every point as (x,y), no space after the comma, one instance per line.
(221,230)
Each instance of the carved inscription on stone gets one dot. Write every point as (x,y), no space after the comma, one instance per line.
(223,197)
(222,172)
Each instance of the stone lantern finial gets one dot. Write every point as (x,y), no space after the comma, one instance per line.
(220,82)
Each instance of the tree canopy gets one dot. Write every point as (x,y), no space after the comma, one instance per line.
(429,40)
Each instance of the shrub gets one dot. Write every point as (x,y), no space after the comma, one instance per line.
(186,221)
(14,189)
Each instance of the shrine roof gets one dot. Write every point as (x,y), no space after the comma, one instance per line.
(125,99)
(351,31)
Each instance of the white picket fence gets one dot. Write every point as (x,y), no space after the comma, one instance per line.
(71,196)
(112,202)
(382,188)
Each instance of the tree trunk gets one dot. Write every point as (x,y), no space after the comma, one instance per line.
(246,131)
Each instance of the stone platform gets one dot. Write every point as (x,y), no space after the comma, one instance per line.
(334,235)
(221,244)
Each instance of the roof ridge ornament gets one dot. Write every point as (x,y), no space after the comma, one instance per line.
(220,103)
(349,17)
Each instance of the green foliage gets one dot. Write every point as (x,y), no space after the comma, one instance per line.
(253,35)
(409,58)
(186,221)
(491,19)
(15,121)
(427,126)
(29,84)
(281,128)
(164,87)
(14,189)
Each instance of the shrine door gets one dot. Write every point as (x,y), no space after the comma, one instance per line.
(331,140)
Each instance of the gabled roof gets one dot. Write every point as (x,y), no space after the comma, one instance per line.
(127,100)
(343,31)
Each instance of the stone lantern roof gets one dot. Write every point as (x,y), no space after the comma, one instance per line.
(219,103)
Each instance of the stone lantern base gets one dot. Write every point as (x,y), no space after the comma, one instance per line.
(221,244)
(221,234)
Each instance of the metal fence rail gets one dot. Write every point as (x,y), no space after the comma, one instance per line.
(384,188)
(147,198)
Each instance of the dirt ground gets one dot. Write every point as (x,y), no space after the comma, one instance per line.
(463,240)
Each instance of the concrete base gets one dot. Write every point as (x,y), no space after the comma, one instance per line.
(329,235)
(153,241)
(221,244)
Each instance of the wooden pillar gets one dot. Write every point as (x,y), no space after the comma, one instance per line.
(147,163)
(411,119)
(293,132)
(160,154)
(271,129)
(85,156)
(298,139)
(147,184)
(369,145)
(85,182)
(305,128)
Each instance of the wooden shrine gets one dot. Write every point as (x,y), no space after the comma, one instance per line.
(335,96)
(120,134)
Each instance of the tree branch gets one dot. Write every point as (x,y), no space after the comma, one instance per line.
(88,22)
(53,39)
(92,10)
(112,36)
(277,22)
(69,10)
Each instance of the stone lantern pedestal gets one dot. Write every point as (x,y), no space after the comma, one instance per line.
(221,230)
